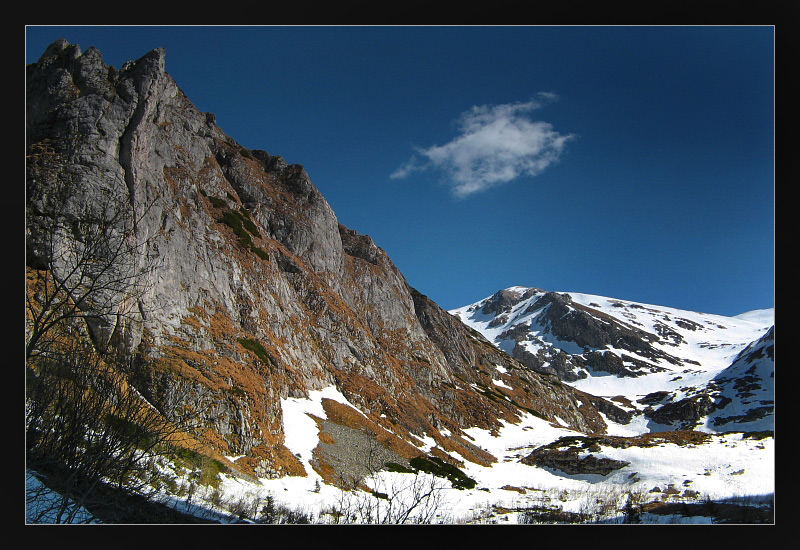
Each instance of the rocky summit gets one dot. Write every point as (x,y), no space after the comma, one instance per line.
(248,290)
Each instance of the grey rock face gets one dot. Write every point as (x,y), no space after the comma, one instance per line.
(685,412)
(256,292)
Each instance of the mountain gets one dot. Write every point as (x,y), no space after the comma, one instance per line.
(214,287)
(666,368)
(248,290)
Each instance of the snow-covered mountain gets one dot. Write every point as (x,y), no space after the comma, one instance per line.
(668,368)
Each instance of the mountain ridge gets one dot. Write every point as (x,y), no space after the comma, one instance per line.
(610,339)
(256,292)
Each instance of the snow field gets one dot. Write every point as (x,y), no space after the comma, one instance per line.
(729,466)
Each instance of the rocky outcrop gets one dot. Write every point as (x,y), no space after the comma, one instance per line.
(504,300)
(255,291)
(573,456)
(570,462)
(578,454)
(746,389)
(550,332)
(685,412)
(582,338)
(592,329)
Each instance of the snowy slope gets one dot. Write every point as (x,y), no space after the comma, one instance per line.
(684,360)
(709,349)
(725,466)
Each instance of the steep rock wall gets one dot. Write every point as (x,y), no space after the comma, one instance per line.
(258,292)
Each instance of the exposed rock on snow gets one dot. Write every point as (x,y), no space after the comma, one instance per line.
(679,369)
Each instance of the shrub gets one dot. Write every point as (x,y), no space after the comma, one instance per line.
(399,468)
(206,469)
(245,506)
(234,221)
(272,512)
(217,202)
(248,224)
(260,253)
(437,467)
(243,227)
(256,347)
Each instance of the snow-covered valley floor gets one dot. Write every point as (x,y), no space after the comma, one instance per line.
(726,467)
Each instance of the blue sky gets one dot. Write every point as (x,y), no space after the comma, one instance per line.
(630,162)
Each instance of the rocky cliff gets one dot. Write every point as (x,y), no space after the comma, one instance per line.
(254,291)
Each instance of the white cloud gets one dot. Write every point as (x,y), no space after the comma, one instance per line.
(495,144)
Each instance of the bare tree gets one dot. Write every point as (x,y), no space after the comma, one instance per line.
(88,432)
(88,263)
(394,498)
(389,497)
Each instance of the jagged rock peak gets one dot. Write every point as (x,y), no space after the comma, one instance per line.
(504,300)
(64,54)
(60,49)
